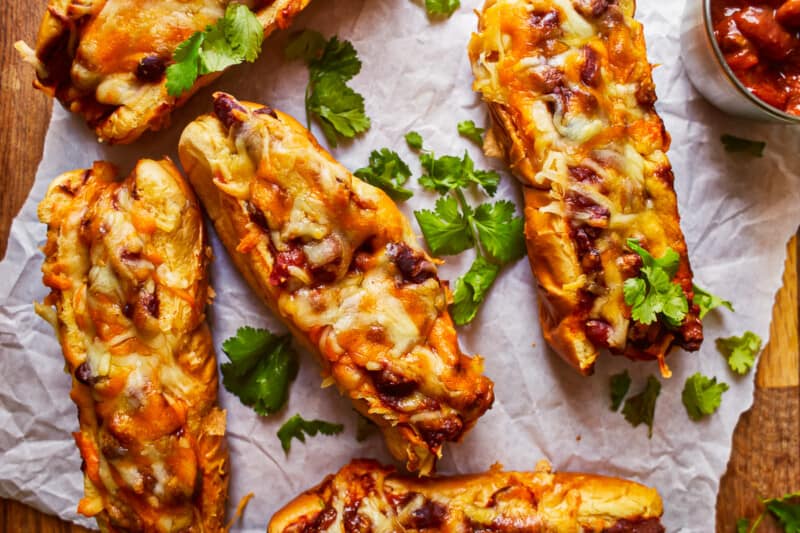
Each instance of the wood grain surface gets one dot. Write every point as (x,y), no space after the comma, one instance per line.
(766,454)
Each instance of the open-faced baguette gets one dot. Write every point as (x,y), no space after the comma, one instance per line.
(127,265)
(571,97)
(336,260)
(365,496)
(106,59)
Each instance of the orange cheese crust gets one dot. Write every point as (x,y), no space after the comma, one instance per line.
(365,497)
(105,59)
(571,97)
(126,263)
(336,260)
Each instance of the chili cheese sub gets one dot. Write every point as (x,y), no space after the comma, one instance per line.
(126,264)
(337,261)
(106,59)
(365,497)
(572,99)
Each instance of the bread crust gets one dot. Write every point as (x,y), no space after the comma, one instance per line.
(88,51)
(571,96)
(336,260)
(126,262)
(365,493)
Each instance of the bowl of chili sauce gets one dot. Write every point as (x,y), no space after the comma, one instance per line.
(744,56)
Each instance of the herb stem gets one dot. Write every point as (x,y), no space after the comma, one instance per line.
(465,211)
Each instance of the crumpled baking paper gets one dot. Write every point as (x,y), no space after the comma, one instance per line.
(738,214)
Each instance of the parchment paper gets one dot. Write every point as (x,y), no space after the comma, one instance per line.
(737,213)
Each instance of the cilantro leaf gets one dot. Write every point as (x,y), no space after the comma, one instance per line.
(702,395)
(306,45)
(448,172)
(741,351)
(243,31)
(414,140)
(708,301)
(786,510)
(297,428)
(669,262)
(339,58)
(441,7)
(388,172)
(653,295)
(468,129)
(742,525)
(339,108)
(446,229)
(182,73)
(236,37)
(260,369)
(640,409)
(744,146)
(471,289)
(620,384)
(500,232)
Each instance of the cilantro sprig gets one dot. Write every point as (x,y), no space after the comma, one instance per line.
(331,64)
(454,226)
(468,129)
(414,140)
(261,367)
(653,295)
(740,352)
(786,510)
(702,395)
(708,302)
(388,172)
(297,428)
(233,39)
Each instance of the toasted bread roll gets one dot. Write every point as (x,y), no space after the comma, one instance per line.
(365,496)
(337,261)
(571,98)
(126,262)
(106,59)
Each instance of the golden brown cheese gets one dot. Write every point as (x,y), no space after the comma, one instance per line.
(127,265)
(571,96)
(105,59)
(338,262)
(367,497)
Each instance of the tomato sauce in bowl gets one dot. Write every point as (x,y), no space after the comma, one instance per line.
(760,40)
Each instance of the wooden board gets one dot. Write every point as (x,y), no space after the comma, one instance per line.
(766,455)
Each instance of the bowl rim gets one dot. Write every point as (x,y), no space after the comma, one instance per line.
(767,108)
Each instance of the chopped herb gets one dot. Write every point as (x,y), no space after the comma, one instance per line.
(702,395)
(235,38)
(414,140)
(620,384)
(640,409)
(261,367)
(741,351)
(388,172)
(708,301)
(653,295)
(472,132)
(744,146)
(297,428)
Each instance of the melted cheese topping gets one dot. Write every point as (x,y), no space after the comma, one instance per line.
(88,55)
(126,262)
(336,259)
(570,86)
(367,497)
